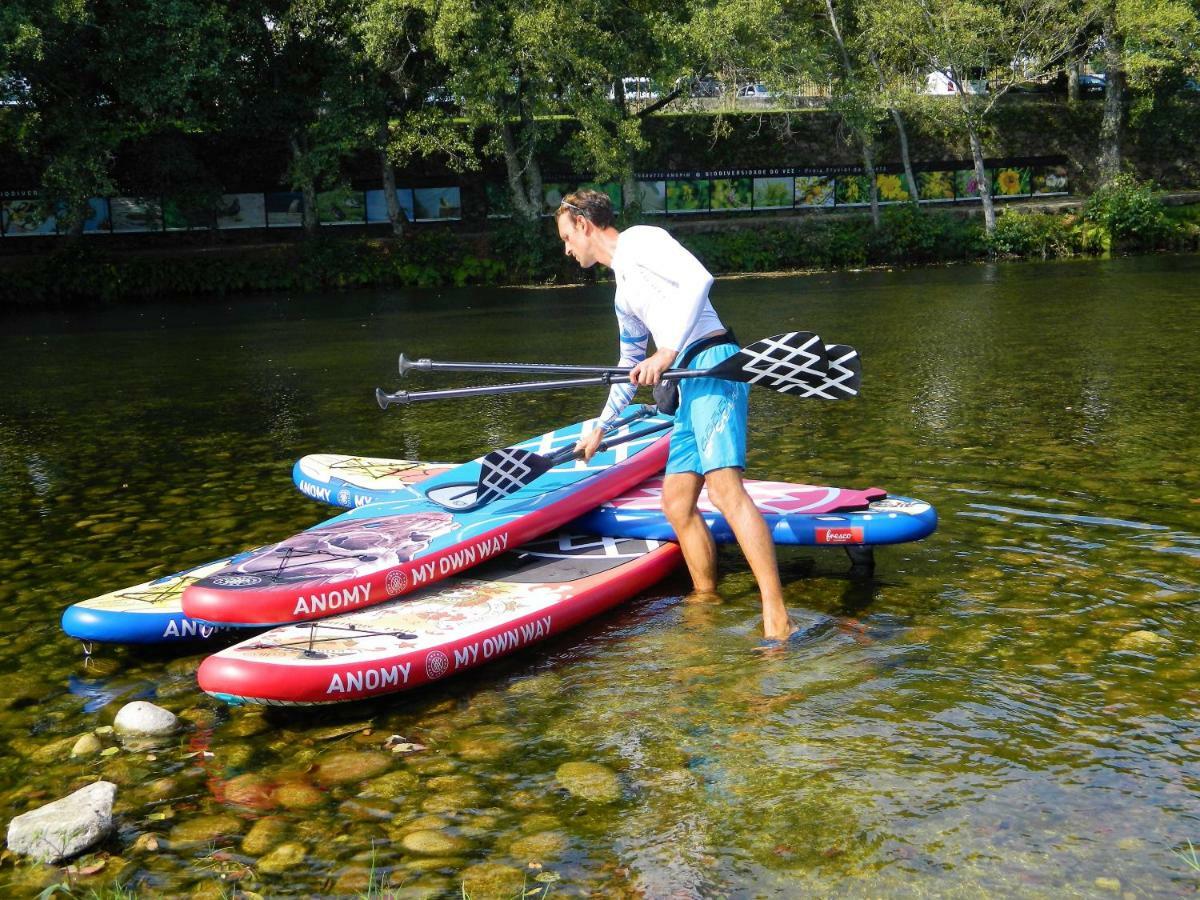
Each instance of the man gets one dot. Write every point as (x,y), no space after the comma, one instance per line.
(662,292)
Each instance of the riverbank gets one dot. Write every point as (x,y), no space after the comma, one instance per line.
(1125,219)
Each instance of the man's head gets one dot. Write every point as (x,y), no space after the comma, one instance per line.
(583,219)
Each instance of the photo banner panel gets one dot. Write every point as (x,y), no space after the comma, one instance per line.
(732,194)
(652,196)
(966,187)
(21,218)
(852,190)
(688,196)
(437,204)
(242,211)
(135,214)
(377,206)
(341,206)
(1050,180)
(936,187)
(285,209)
(813,191)
(892,188)
(1012,181)
(774,193)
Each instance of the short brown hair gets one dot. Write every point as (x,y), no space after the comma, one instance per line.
(595,206)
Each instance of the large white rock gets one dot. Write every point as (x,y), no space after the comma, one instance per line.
(61,829)
(142,719)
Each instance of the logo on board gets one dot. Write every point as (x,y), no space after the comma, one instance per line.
(437,664)
(396,582)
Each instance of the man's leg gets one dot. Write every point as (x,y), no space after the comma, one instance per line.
(728,494)
(680,491)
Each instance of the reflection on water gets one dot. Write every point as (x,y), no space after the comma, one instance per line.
(1007,708)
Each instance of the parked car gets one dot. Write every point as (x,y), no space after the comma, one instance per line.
(756,91)
(1090,82)
(707,87)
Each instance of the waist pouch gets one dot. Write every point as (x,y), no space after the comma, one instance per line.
(714,340)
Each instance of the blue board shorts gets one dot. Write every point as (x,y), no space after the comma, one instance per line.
(710,424)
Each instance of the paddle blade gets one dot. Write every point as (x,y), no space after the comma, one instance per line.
(783,362)
(843,380)
(506,471)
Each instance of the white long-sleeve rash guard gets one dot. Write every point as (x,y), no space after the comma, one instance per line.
(662,292)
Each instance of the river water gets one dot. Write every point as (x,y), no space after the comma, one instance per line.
(1007,708)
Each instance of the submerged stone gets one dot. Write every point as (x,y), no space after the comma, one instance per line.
(489,880)
(540,845)
(205,828)
(282,858)
(61,829)
(589,781)
(298,795)
(263,835)
(433,843)
(348,766)
(142,719)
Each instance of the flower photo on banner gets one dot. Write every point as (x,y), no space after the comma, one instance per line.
(688,195)
(732,193)
(965,183)
(852,190)
(892,189)
(936,186)
(1011,182)
(814,190)
(1050,180)
(773,193)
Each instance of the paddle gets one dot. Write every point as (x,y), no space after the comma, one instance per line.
(508,469)
(841,382)
(787,363)
(795,355)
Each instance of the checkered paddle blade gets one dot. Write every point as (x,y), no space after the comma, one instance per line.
(506,471)
(785,362)
(844,379)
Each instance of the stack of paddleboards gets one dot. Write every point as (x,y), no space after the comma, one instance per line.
(373,601)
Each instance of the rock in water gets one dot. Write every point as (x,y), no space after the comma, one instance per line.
(61,829)
(142,719)
(589,781)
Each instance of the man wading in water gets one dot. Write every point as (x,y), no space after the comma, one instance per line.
(662,292)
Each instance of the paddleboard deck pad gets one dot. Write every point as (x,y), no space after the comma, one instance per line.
(376,552)
(798,514)
(508,603)
(152,613)
(350,481)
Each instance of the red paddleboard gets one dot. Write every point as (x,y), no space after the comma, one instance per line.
(516,600)
(373,553)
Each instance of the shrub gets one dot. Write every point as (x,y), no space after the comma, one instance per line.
(1035,234)
(1124,211)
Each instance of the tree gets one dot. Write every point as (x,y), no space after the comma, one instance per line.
(405,75)
(1142,43)
(984,49)
(90,74)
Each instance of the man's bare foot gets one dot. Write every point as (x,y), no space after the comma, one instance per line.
(779,631)
(705,598)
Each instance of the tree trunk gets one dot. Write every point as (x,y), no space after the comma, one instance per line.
(868,155)
(524,181)
(1113,123)
(902,132)
(308,192)
(630,195)
(982,179)
(1073,92)
(395,213)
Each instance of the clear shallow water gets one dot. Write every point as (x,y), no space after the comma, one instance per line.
(1009,707)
